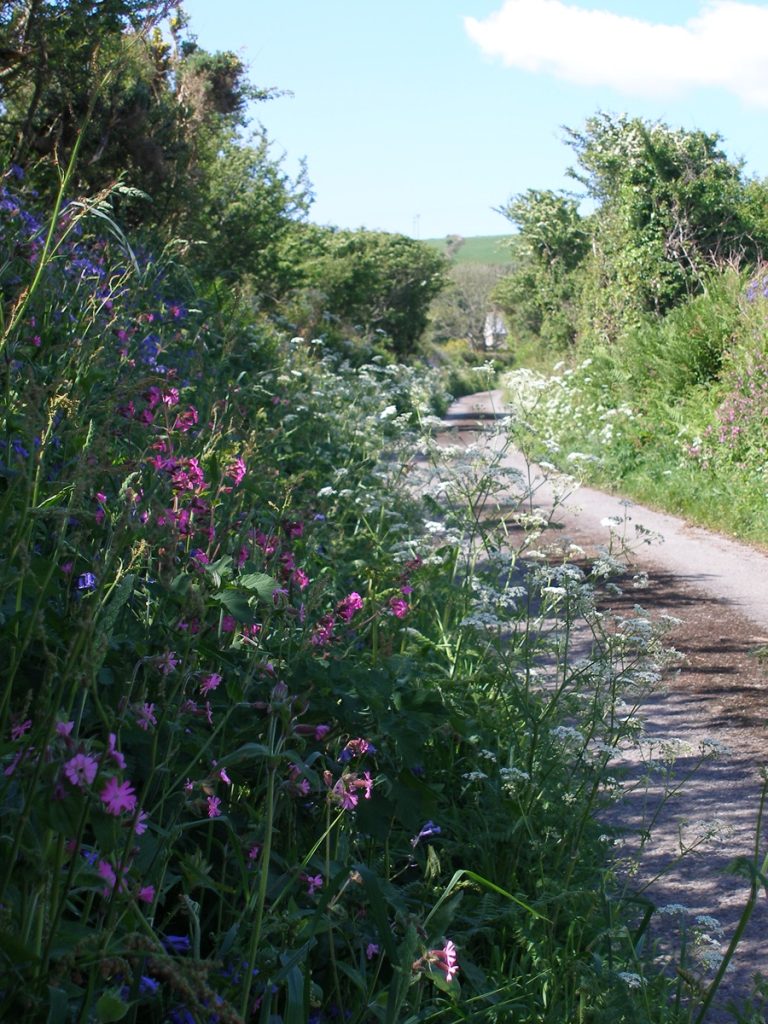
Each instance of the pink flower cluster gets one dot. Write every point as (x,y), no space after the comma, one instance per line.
(445,959)
(344,791)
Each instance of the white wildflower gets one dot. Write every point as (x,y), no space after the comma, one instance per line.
(630,979)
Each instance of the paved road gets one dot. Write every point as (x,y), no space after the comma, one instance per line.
(725,569)
(724,589)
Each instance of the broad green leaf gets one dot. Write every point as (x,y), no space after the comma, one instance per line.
(263,584)
(110,1006)
(236,603)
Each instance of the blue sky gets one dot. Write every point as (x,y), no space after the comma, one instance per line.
(421,116)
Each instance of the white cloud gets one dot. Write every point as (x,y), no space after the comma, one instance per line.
(725,46)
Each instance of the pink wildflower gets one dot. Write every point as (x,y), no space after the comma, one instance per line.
(399,607)
(267,544)
(300,578)
(107,872)
(349,606)
(343,793)
(314,882)
(18,730)
(118,797)
(146,894)
(209,683)
(447,960)
(228,624)
(323,631)
(167,662)
(444,958)
(365,783)
(81,770)
(140,824)
(236,471)
(186,420)
(64,729)
(213,806)
(287,561)
(114,753)
(145,716)
(356,748)
(371,950)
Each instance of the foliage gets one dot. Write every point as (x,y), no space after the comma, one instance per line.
(459,311)
(164,118)
(671,205)
(540,300)
(53,54)
(669,208)
(370,283)
(672,412)
(289,731)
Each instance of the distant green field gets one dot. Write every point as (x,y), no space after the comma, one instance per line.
(480,249)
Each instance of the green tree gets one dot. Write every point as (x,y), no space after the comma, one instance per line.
(163,116)
(670,206)
(373,284)
(540,298)
(55,60)
(460,309)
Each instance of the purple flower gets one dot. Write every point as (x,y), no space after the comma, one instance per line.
(430,829)
(399,607)
(177,943)
(86,581)
(349,605)
(81,770)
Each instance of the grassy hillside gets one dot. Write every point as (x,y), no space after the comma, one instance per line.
(490,249)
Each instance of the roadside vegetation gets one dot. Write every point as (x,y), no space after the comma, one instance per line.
(302,718)
(640,329)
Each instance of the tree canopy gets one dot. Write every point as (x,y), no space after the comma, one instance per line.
(669,206)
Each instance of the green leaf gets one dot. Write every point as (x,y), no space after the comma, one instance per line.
(236,603)
(379,911)
(110,1006)
(295,1010)
(487,884)
(248,752)
(120,595)
(263,584)
(15,948)
(58,1003)
(55,499)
